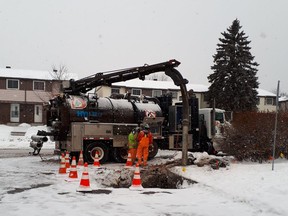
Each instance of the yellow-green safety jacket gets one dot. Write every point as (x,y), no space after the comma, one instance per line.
(132,140)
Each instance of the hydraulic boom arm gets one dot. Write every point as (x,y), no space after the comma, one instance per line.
(86,84)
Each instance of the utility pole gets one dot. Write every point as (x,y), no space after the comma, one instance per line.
(275,129)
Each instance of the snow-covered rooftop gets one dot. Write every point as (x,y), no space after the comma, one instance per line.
(31,74)
(152,84)
(155,84)
(284,98)
(262,92)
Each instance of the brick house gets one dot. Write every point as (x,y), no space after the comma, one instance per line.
(22,94)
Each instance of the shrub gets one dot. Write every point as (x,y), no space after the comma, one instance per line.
(251,136)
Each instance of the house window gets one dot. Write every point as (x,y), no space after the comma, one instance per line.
(270,101)
(258,101)
(180,98)
(115,90)
(136,91)
(12,84)
(39,85)
(174,94)
(206,98)
(37,110)
(156,93)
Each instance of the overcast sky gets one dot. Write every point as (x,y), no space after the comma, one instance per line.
(90,36)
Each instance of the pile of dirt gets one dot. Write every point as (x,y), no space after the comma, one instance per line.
(214,162)
(157,176)
(153,176)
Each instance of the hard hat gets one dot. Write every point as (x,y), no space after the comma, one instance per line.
(146,126)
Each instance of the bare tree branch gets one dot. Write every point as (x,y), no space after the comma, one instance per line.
(60,73)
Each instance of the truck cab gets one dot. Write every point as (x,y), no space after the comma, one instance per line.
(213,125)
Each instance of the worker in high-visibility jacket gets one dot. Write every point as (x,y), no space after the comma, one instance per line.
(145,139)
(133,143)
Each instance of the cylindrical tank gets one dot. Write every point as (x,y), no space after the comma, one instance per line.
(148,110)
(110,110)
(115,110)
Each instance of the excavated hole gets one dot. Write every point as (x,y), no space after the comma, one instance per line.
(162,177)
(156,176)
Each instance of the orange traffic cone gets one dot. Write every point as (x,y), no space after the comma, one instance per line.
(85,182)
(129,161)
(73,175)
(80,161)
(96,163)
(67,162)
(136,182)
(62,169)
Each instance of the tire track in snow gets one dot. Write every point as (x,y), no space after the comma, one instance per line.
(260,207)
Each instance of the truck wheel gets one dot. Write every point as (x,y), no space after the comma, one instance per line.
(120,155)
(100,148)
(153,150)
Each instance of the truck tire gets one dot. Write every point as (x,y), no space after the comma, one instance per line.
(120,154)
(153,150)
(100,148)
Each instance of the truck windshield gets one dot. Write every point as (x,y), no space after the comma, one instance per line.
(219,116)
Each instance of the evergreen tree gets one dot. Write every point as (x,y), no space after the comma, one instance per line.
(234,83)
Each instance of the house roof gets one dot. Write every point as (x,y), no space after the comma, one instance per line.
(283,99)
(30,74)
(152,84)
(263,93)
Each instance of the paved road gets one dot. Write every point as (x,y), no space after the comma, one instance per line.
(11,153)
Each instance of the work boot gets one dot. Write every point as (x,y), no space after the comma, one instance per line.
(140,165)
(139,162)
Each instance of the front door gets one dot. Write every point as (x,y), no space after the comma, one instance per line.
(15,112)
(38,113)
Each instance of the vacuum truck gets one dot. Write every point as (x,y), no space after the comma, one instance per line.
(80,121)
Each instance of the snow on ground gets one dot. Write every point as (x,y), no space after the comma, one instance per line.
(22,142)
(31,186)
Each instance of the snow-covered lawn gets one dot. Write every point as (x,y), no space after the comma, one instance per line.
(30,186)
